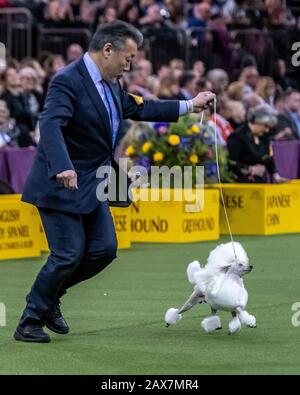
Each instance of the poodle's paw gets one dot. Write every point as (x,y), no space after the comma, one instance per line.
(212,323)
(234,325)
(247,319)
(172,317)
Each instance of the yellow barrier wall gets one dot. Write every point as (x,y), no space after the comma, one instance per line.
(261,209)
(19,233)
(168,222)
(121,217)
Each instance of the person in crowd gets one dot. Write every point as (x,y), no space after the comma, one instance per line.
(168,89)
(9,132)
(224,128)
(280,75)
(74,52)
(266,89)
(18,106)
(177,67)
(52,64)
(249,147)
(289,117)
(199,68)
(236,113)
(219,79)
(187,85)
(34,100)
(249,75)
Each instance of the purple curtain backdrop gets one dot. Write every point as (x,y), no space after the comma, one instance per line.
(15,163)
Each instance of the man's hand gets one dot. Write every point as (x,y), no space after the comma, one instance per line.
(68,178)
(202,100)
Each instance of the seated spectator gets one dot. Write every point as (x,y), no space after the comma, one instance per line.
(266,89)
(199,68)
(200,15)
(18,107)
(41,74)
(281,77)
(57,14)
(178,67)
(236,90)
(74,52)
(249,148)
(219,79)
(224,128)
(9,132)
(187,85)
(52,64)
(176,13)
(168,88)
(289,117)
(203,85)
(34,100)
(249,75)
(236,113)
(132,15)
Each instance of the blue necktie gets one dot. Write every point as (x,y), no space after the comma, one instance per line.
(110,112)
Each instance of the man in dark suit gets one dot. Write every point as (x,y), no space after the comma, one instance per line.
(80,127)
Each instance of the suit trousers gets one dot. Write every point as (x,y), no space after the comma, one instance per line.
(81,245)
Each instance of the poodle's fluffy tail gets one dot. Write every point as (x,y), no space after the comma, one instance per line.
(192,270)
(198,276)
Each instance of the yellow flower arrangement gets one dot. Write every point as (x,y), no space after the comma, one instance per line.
(146,147)
(129,150)
(174,139)
(158,156)
(193,158)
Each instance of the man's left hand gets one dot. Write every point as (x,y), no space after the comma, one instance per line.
(202,100)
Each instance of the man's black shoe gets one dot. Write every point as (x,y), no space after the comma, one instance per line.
(31,333)
(56,322)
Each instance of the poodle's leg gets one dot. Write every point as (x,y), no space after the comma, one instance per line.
(246,318)
(172,315)
(212,323)
(234,324)
(196,297)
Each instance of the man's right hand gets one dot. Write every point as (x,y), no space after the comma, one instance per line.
(202,100)
(68,178)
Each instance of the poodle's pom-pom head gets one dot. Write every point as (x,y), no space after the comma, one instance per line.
(192,269)
(212,323)
(172,316)
(223,255)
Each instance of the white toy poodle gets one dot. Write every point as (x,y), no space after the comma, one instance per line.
(220,284)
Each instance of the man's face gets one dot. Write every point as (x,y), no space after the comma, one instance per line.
(293,102)
(120,61)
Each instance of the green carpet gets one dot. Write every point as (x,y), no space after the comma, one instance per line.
(117,325)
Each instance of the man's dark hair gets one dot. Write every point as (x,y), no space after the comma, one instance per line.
(115,33)
(186,78)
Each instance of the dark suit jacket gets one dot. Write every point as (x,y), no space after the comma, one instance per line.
(244,153)
(75,134)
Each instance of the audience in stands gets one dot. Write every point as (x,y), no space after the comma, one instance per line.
(234,69)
